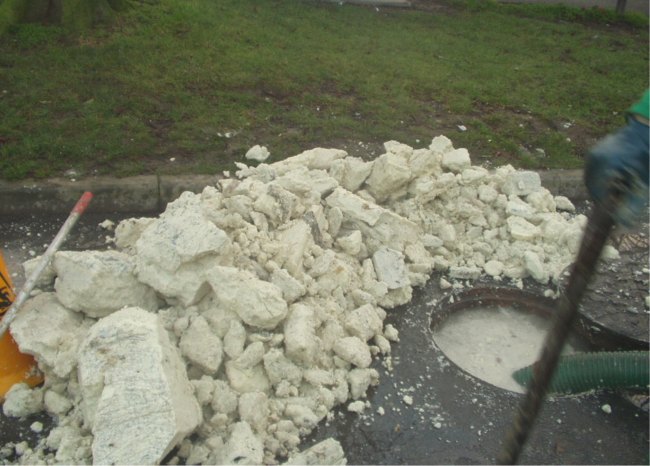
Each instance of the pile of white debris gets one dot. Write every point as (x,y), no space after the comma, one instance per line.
(233,323)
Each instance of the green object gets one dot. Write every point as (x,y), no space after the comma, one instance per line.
(642,107)
(581,372)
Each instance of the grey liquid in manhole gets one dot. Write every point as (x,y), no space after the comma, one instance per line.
(490,343)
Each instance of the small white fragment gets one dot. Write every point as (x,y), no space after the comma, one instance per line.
(36,427)
(607,409)
(408,399)
(563,203)
(391,333)
(21,401)
(107,225)
(357,407)
(258,153)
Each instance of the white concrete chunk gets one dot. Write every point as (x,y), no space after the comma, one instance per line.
(535,267)
(175,251)
(563,203)
(327,452)
(441,145)
(519,208)
(473,175)
(49,332)
(136,395)
(295,240)
(99,282)
(487,194)
(390,173)
(292,289)
(201,346)
(256,302)
(493,268)
(456,160)
(354,351)
(55,403)
(254,409)
(318,158)
(300,341)
(278,368)
(257,153)
(354,173)
(350,244)
(128,231)
(521,229)
(391,268)
(521,183)
(364,322)
(354,207)
(21,401)
(464,272)
(224,398)
(360,380)
(247,379)
(234,340)
(243,446)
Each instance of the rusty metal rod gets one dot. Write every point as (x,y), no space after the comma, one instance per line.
(598,228)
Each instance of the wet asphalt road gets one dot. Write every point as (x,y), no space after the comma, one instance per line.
(454,418)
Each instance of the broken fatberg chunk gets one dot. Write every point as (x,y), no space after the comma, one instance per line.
(49,332)
(329,451)
(258,303)
(136,396)
(174,251)
(99,282)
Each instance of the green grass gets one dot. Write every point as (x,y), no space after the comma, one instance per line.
(169,80)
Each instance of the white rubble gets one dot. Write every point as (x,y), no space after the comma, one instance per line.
(175,251)
(456,160)
(266,297)
(99,282)
(129,230)
(257,153)
(201,346)
(49,332)
(563,203)
(390,268)
(243,446)
(328,452)
(258,303)
(521,183)
(21,401)
(389,175)
(136,396)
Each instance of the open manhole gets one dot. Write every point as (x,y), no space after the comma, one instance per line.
(491,332)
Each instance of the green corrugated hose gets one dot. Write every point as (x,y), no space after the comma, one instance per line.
(581,372)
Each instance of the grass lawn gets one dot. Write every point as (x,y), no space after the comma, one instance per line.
(201,81)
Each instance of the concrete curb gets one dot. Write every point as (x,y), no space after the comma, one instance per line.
(150,193)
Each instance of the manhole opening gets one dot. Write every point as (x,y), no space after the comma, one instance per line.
(490,333)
